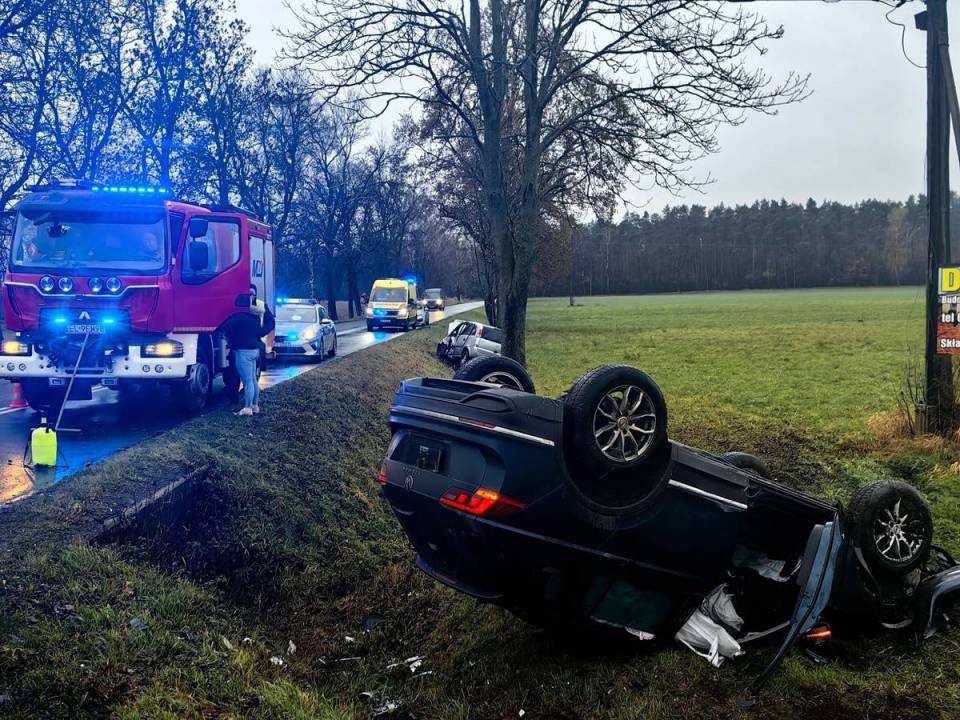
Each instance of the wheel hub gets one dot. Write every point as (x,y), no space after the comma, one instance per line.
(624,424)
(897,536)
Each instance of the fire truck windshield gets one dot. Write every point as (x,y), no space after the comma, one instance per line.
(131,243)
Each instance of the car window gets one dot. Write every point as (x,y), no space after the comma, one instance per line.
(296,314)
(466,329)
(223,251)
(388,295)
(493,334)
(322,313)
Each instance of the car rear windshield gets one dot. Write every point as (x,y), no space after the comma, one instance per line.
(492,334)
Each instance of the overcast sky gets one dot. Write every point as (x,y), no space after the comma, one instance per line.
(860,135)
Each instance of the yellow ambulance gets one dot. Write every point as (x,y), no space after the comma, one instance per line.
(394,303)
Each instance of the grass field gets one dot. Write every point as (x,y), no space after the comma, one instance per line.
(288,540)
(811,360)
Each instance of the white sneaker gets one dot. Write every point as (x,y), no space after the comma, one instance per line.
(256,409)
(246,411)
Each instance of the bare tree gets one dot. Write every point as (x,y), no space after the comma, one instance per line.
(645,81)
(27,72)
(17,15)
(91,43)
(175,40)
(340,179)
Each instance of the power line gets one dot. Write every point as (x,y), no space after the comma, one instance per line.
(903,34)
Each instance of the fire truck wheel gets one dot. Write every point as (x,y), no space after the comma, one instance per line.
(192,394)
(41,397)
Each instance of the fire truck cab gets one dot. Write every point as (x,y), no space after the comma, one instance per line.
(122,286)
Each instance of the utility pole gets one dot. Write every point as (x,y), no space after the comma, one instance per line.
(938,388)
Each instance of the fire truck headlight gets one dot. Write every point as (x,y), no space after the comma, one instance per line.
(15,347)
(65,284)
(95,284)
(163,349)
(46,284)
(113,285)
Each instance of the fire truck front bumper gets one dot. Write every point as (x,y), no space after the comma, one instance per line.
(139,362)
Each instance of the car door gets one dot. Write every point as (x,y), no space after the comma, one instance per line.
(817,572)
(326,328)
(459,341)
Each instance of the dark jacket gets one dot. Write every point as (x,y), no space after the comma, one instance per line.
(244,329)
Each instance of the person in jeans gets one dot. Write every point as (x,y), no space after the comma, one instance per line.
(243,331)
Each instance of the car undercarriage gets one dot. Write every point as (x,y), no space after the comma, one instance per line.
(582,512)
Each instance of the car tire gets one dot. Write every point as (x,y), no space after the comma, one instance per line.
(497,370)
(751,463)
(321,351)
(599,416)
(890,523)
(464,359)
(441,351)
(333,349)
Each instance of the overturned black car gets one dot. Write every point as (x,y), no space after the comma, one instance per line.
(581,510)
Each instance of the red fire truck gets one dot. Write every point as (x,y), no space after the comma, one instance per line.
(123,286)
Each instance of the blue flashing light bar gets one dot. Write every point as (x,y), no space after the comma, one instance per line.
(135,189)
(60,320)
(411,279)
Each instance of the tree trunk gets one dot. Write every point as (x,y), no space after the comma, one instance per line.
(490,308)
(353,289)
(331,291)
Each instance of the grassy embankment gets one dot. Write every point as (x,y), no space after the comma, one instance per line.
(290,541)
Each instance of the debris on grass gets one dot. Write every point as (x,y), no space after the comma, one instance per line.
(371,622)
(137,624)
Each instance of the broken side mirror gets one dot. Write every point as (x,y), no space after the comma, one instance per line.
(199,255)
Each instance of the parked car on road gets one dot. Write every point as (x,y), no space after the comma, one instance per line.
(433,297)
(304,330)
(580,512)
(466,340)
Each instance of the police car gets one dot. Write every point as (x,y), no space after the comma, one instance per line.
(304,330)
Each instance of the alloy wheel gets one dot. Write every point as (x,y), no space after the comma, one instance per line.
(503,379)
(897,535)
(624,424)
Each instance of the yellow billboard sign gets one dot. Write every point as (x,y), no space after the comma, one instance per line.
(949,280)
(948,316)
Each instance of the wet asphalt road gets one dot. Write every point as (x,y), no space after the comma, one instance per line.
(104,429)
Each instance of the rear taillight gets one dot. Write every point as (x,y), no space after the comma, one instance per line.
(819,634)
(487,503)
(383,474)
(479,332)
